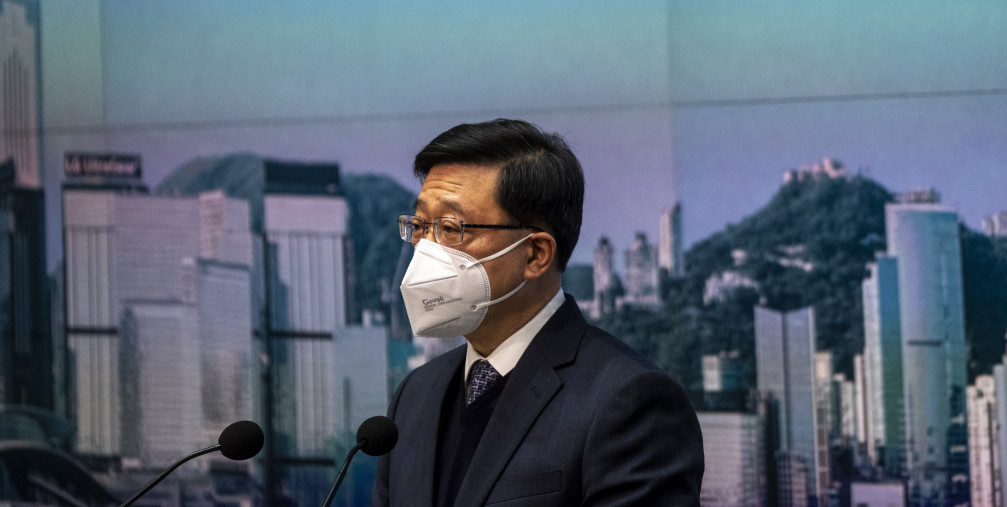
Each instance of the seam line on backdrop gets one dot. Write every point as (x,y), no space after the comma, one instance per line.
(385,117)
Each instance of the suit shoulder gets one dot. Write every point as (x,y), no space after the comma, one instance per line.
(599,345)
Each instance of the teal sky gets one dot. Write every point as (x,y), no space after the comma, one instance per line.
(707,102)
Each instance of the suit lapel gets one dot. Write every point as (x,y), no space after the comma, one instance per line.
(529,389)
(423,460)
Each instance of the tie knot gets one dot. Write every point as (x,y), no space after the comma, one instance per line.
(482,376)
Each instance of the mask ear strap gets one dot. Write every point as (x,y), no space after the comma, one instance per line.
(498,254)
(501,298)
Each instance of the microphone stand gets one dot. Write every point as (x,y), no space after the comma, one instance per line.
(342,473)
(164,474)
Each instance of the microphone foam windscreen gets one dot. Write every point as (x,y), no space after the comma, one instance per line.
(380,433)
(241,440)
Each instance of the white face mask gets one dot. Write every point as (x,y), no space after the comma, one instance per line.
(447,292)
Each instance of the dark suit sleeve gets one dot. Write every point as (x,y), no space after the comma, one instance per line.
(379,493)
(644,447)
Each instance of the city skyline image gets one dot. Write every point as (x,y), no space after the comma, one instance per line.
(796,210)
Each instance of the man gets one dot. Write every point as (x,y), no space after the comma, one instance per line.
(539,408)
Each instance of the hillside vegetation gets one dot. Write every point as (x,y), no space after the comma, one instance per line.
(807,247)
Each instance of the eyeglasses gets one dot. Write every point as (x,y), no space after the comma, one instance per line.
(447,230)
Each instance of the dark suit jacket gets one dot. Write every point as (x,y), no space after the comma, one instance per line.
(582,420)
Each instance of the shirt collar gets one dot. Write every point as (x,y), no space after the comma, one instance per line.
(506,356)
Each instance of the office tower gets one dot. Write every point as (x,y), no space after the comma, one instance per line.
(26,348)
(734,449)
(19,89)
(669,242)
(883,366)
(158,315)
(159,368)
(984,443)
(786,371)
(995,224)
(305,220)
(723,384)
(604,279)
(722,372)
(862,435)
(320,376)
(824,421)
(1000,457)
(93,281)
(923,237)
(844,410)
(641,273)
(219,284)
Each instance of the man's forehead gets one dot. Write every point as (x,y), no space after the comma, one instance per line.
(452,203)
(458,188)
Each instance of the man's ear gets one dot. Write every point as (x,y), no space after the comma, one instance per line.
(541,255)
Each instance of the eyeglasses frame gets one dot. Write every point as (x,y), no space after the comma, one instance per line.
(464,225)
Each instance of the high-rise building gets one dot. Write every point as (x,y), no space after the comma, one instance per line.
(825,422)
(723,382)
(641,273)
(995,224)
(158,315)
(786,370)
(923,237)
(862,435)
(605,281)
(1000,390)
(669,242)
(984,443)
(321,375)
(734,450)
(305,220)
(19,89)
(26,348)
(883,367)
(723,372)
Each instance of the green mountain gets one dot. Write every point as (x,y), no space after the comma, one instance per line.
(807,247)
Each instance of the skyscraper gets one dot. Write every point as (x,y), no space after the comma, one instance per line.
(995,224)
(984,443)
(605,282)
(669,242)
(734,451)
(924,239)
(1000,388)
(158,315)
(723,382)
(26,347)
(305,219)
(883,366)
(641,273)
(320,376)
(785,370)
(19,89)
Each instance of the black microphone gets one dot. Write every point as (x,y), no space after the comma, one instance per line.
(239,441)
(375,436)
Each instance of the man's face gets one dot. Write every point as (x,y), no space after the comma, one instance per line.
(468,193)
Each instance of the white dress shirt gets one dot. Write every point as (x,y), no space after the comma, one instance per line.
(506,356)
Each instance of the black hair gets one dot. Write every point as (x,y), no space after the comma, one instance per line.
(541,182)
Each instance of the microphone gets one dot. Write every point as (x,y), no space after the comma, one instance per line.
(375,436)
(239,441)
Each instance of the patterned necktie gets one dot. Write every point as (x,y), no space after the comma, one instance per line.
(481,378)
